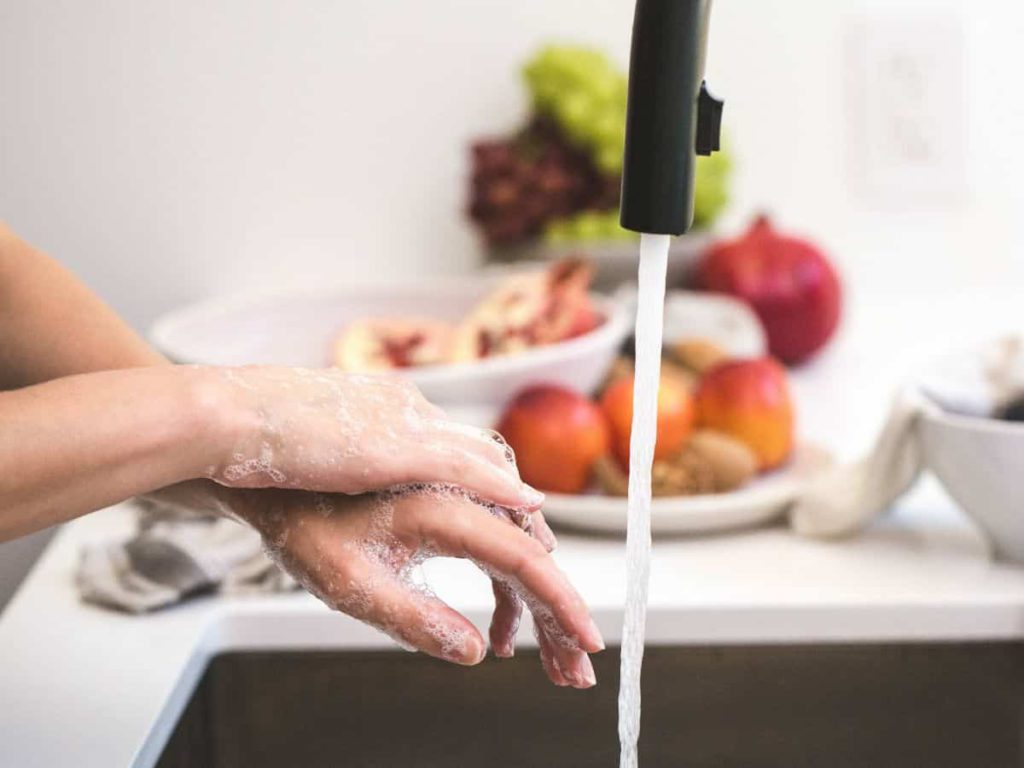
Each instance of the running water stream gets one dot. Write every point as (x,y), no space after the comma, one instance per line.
(649,320)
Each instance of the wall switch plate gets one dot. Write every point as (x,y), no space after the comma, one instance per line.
(906,109)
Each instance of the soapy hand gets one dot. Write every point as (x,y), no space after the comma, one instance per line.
(357,554)
(325,430)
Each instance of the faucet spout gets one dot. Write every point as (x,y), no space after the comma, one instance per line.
(671,116)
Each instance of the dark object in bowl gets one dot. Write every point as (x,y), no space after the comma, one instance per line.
(1013,410)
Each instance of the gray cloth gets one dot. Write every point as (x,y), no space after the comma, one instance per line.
(173,557)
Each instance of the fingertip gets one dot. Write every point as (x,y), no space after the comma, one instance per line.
(473,651)
(506,652)
(543,533)
(587,672)
(532,498)
(591,640)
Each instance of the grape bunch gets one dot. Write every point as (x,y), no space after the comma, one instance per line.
(584,93)
(560,176)
(520,184)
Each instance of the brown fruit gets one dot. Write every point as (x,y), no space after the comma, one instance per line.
(698,355)
(685,474)
(610,477)
(733,464)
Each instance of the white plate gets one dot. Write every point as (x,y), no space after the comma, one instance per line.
(762,501)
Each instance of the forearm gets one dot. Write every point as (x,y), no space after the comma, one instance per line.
(51,325)
(80,443)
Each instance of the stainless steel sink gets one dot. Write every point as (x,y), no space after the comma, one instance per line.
(840,706)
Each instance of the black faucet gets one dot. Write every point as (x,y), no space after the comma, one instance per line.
(671,117)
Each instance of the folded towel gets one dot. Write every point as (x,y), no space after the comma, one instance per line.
(846,498)
(173,557)
(977,381)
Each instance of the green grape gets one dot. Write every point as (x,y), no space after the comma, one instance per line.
(583,93)
(711,193)
(587,226)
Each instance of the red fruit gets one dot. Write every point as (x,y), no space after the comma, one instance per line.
(749,400)
(675,416)
(787,281)
(529,310)
(384,344)
(557,435)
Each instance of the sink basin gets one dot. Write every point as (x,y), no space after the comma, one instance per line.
(936,705)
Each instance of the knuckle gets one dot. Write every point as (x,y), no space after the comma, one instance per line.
(533,560)
(460,464)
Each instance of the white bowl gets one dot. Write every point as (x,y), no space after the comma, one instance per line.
(297,329)
(979,460)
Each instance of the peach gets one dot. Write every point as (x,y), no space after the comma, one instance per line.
(557,435)
(749,400)
(675,416)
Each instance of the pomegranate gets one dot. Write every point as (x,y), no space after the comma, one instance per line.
(787,281)
(529,310)
(374,346)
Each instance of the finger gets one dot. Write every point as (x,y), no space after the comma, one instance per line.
(532,523)
(547,658)
(488,444)
(411,617)
(456,466)
(467,530)
(508,609)
(572,665)
(433,412)
(543,533)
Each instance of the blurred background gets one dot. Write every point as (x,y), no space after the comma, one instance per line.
(169,151)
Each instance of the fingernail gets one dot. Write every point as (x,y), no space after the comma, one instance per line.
(532,496)
(587,670)
(594,638)
(505,650)
(546,537)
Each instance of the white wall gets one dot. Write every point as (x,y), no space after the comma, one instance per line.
(169,150)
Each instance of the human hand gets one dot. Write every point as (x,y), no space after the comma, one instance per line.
(356,554)
(324,430)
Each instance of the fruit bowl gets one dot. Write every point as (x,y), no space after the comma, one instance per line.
(298,328)
(762,501)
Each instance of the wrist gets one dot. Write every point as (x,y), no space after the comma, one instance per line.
(222,418)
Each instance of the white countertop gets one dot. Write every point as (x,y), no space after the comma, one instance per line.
(88,687)
(106,688)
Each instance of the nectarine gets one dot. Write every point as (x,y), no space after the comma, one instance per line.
(557,435)
(675,416)
(749,399)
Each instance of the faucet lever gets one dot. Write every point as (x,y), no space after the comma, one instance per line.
(709,122)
